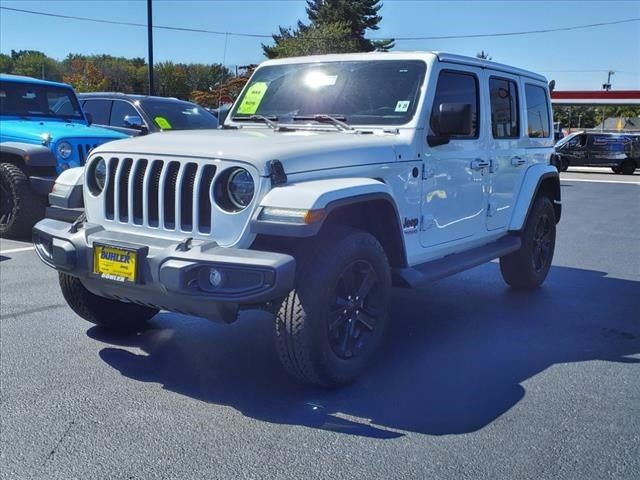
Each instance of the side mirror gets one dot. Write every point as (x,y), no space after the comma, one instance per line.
(133,121)
(89,117)
(453,119)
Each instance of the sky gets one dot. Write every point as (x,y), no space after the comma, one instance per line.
(576,59)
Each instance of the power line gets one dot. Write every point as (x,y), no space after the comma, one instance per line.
(258,35)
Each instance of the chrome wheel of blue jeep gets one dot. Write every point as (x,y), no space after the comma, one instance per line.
(354,314)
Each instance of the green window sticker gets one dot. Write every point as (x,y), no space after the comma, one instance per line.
(252,98)
(163,123)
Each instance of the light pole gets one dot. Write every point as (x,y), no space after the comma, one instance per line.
(607,86)
(150,42)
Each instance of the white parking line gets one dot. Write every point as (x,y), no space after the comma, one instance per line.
(16,250)
(569,179)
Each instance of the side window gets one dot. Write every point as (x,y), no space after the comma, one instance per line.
(99,110)
(537,111)
(456,94)
(504,108)
(120,110)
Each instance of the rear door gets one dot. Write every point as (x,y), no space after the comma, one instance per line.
(99,110)
(506,149)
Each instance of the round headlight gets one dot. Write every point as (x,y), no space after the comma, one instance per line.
(97,176)
(240,188)
(64,149)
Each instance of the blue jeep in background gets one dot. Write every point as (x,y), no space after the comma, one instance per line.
(43,131)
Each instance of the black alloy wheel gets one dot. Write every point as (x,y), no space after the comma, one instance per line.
(355,311)
(542,243)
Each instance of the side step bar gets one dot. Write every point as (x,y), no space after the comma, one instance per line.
(424,273)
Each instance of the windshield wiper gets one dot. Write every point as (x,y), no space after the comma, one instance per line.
(337,120)
(270,121)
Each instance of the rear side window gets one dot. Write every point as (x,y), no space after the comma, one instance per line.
(537,111)
(99,110)
(504,108)
(457,89)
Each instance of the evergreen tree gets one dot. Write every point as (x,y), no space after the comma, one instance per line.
(336,26)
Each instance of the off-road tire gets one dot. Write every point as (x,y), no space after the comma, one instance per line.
(302,328)
(21,209)
(107,313)
(628,166)
(521,269)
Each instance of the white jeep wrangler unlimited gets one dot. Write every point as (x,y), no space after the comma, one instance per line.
(333,179)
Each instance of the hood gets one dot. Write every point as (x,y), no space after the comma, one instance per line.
(299,151)
(33,130)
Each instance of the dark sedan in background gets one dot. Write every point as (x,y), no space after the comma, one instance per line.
(143,114)
(618,150)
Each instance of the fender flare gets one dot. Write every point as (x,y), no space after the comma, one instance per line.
(67,189)
(324,197)
(32,155)
(529,188)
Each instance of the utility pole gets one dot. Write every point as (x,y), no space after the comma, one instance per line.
(607,86)
(150,41)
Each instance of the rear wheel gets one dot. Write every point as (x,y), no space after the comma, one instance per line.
(330,326)
(628,167)
(528,267)
(107,313)
(20,209)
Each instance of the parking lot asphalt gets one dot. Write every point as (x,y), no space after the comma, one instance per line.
(474,381)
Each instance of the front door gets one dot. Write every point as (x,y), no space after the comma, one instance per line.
(456,174)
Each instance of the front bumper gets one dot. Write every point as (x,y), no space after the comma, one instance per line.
(171,275)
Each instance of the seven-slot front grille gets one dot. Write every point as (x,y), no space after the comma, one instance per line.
(168,194)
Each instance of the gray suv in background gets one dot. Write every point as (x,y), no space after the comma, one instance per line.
(142,114)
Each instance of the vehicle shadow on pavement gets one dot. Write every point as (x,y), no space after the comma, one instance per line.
(455,360)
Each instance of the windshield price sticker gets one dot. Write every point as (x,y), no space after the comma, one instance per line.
(402,106)
(252,98)
(163,123)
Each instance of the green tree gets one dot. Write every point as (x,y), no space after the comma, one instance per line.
(171,80)
(37,65)
(205,77)
(336,26)
(315,40)
(6,63)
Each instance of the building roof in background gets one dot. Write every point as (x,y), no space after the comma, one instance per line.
(595,97)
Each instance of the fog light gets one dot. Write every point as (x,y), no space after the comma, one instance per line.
(215,277)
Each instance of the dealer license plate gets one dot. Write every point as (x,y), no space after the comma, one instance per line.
(115,263)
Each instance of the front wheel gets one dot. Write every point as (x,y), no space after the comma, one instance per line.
(331,325)
(528,267)
(20,209)
(107,313)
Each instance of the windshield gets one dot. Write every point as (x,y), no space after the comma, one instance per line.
(23,99)
(358,92)
(179,115)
